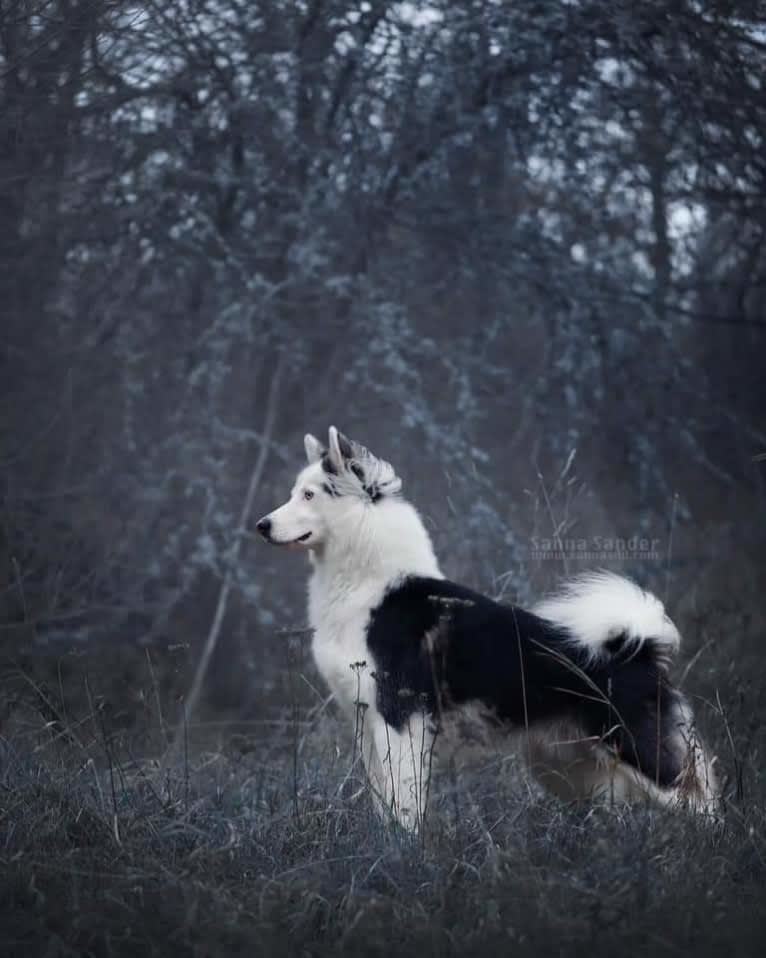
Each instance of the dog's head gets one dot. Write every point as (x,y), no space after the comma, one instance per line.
(340,479)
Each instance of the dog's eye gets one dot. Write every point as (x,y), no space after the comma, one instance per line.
(308,494)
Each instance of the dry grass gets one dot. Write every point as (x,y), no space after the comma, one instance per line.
(260,839)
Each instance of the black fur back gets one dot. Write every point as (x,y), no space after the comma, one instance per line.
(438,645)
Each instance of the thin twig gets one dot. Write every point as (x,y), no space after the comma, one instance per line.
(669,555)
(157,697)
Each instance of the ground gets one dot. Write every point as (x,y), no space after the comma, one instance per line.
(120,835)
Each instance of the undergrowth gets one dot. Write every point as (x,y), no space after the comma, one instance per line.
(259,838)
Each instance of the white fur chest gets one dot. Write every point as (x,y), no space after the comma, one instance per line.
(339,617)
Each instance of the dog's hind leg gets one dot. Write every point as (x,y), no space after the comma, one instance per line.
(565,762)
(581,770)
(405,758)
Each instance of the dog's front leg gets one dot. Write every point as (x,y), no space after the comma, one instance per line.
(376,777)
(404,757)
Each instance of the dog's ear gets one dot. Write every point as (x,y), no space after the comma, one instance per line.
(341,448)
(376,477)
(314,448)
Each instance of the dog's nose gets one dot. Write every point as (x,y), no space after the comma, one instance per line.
(264,527)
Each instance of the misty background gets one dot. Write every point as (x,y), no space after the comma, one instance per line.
(517,249)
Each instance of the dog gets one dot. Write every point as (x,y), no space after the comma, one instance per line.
(584,675)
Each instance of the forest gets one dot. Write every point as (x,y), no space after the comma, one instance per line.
(516,248)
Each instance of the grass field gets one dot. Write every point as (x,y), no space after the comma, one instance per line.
(258,837)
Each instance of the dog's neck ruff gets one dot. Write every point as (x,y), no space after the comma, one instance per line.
(368,551)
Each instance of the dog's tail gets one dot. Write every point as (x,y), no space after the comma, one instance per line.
(607,614)
(626,643)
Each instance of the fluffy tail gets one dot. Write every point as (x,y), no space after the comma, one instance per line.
(627,642)
(606,613)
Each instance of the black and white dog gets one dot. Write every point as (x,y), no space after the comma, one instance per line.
(584,675)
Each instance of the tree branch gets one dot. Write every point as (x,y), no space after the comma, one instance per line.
(192,697)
